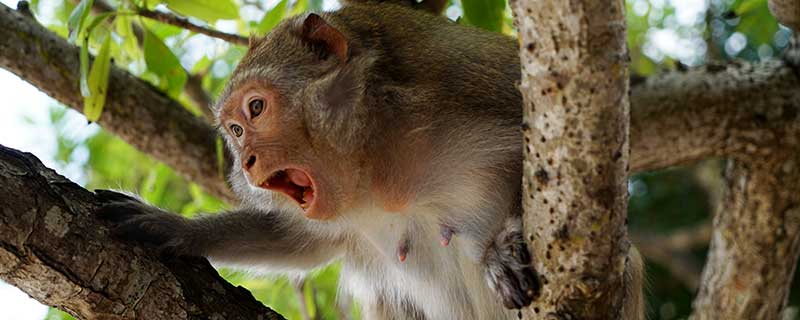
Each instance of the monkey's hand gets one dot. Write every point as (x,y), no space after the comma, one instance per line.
(508,267)
(134,220)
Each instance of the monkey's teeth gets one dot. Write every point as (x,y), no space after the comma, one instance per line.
(308,195)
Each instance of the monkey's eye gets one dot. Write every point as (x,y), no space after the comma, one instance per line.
(256,106)
(237,130)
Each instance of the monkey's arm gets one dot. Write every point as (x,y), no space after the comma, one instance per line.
(242,237)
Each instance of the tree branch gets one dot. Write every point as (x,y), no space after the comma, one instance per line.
(756,239)
(52,248)
(787,12)
(134,110)
(575,123)
(172,19)
(714,111)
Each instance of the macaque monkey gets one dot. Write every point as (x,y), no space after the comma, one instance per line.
(381,135)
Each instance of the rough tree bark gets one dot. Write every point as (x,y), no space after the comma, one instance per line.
(714,111)
(755,242)
(787,12)
(575,92)
(756,238)
(52,248)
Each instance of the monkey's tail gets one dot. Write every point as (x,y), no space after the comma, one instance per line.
(634,306)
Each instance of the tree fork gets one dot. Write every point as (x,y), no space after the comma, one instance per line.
(52,248)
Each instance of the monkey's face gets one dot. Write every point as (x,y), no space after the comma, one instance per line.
(277,153)
(293,115)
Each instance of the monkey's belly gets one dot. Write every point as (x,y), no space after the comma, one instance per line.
(434,281)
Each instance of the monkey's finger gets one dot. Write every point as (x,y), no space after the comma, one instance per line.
(142,231)
(112,196)
(117,212)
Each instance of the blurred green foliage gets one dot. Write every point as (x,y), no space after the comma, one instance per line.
(662,35)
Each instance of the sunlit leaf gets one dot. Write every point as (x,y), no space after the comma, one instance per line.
(743,7)
(94,22)
(162,30)
(202,65)
(162,61)
(486,14)
(77,18)
(125,31)
(84,59)
(272,18)
(98,83)
(157,55)
(208,10)
(299,7)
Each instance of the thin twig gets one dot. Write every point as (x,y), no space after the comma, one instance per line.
(174,20)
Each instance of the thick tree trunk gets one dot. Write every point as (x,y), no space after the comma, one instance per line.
(575,89)
(56,251)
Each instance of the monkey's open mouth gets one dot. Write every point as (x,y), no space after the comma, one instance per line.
(294,183)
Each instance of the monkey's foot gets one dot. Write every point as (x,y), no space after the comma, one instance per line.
(134,220)
(509,271)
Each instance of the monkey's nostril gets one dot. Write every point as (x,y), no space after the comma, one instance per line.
(250,162)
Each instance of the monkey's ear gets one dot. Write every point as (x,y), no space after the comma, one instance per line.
(322,36)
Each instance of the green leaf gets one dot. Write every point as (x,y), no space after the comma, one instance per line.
(97,20)
(272,18)
(84,58)
(202,65)
(162,61)
(162,30)
(486,14)
(299,7)
(98,83)
(76,19)
(157,55)
(125,31)
(208,10)
(746,6)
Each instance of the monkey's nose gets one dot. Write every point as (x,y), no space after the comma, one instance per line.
(250,162)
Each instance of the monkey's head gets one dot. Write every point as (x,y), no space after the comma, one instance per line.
(294,118)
